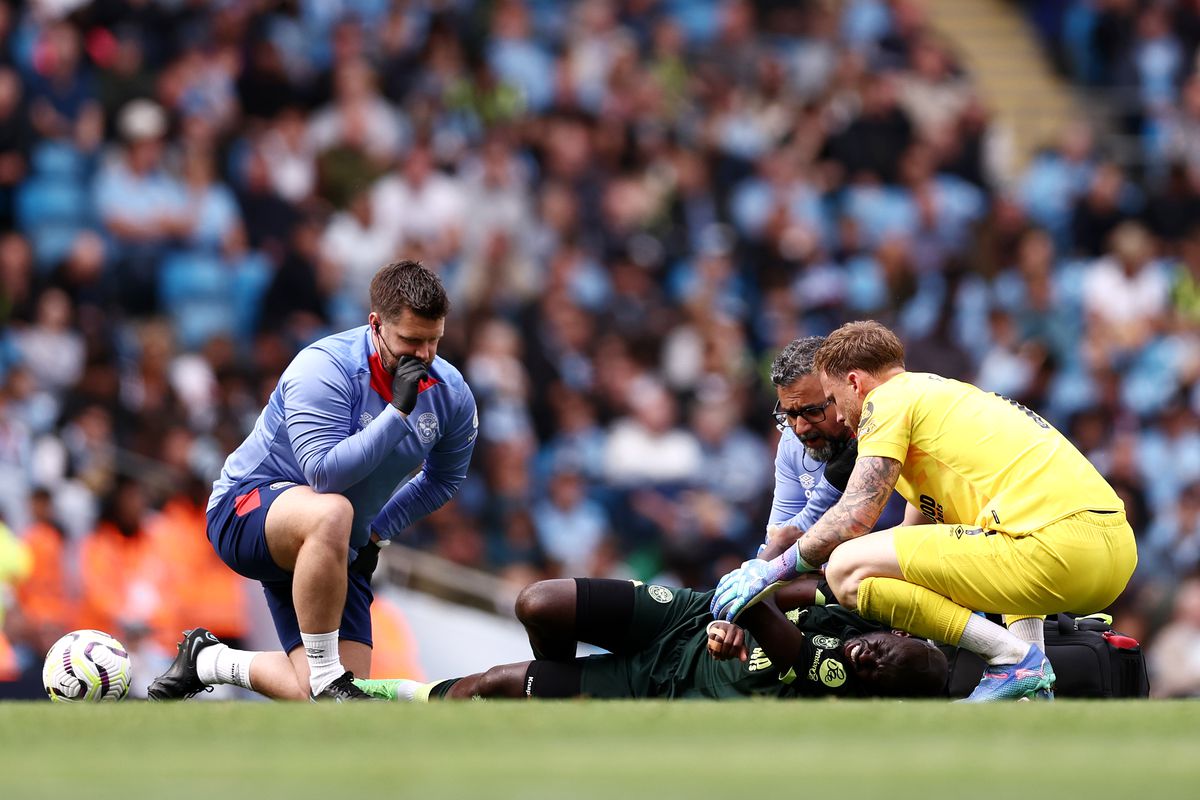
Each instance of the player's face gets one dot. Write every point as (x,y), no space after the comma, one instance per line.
(847,400)
(406,335)
(804,401)
(892,664)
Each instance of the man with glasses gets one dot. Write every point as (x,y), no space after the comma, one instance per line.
(816,451)
(323,479)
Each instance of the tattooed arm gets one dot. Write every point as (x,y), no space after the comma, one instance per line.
(867,492)
(870,485)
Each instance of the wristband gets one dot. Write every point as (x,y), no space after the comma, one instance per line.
(790,565)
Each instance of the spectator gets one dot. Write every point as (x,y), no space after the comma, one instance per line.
(142,207)
(648,447)
(1124,296)
(63,104)
(1174,663)
(423,207)
(16,140)
(46,596)
(570,527)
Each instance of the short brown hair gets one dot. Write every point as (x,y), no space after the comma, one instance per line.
(408,284)
(864,345)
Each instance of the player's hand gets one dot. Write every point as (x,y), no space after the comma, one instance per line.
(410,371)
(726,641)
(742,588)
(366,561)
(838,468)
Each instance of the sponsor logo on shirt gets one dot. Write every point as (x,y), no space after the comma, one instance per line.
(364,420)
(758,661)
(807,481)
(832,673)
(427,427)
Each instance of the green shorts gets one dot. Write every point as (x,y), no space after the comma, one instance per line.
(667,628)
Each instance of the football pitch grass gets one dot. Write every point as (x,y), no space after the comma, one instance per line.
(751,749)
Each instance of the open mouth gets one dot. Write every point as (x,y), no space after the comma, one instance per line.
(853,652)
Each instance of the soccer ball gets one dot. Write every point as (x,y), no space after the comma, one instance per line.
(87,666)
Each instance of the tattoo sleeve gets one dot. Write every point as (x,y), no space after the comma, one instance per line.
(867,492)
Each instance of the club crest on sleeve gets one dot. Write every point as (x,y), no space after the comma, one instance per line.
(825,642)
(659,594)
(427,427)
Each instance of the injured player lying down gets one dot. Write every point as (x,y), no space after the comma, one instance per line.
(657,637)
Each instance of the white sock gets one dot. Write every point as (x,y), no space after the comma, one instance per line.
(1030,629)
(991,641)
(324,662)
(406,689)
(220,664)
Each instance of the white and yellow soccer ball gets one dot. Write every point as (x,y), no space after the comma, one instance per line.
(87,667)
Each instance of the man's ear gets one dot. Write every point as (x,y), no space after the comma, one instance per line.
(854,378)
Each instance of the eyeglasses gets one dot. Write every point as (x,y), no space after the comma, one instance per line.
(810,414)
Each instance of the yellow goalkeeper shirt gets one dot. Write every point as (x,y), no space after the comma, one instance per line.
(979,459)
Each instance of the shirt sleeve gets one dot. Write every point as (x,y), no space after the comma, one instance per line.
(444,470)
(823,498)
(318,413)
(886,425)
(789,498)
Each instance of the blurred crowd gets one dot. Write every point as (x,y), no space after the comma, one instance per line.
(633,203)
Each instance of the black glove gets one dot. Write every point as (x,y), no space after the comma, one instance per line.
(410,371)
(838,468)
(366,561)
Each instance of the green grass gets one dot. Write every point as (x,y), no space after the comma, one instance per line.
(807,751)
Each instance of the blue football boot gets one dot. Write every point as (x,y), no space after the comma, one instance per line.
(1031,678)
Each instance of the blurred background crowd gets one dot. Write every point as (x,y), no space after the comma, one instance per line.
(633,203)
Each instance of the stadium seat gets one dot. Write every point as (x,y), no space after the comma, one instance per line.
(206,296)
(51,242)
(45,200)
(53,159)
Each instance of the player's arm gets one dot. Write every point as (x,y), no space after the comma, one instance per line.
(829,490)
(782,641)
(319,403)
(444,471)
(800,593)
(913,515)
(871,484)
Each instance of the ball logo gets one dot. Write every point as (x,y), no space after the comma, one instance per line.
(660,594)
(832,673)
(825,642)
(427,427)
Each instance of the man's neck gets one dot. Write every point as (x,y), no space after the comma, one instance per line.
(873,382)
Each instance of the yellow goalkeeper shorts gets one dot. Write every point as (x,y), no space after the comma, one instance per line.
(1078,564)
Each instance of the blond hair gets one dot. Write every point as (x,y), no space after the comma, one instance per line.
(864,345)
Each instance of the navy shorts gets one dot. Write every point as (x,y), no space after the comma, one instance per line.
(237,531)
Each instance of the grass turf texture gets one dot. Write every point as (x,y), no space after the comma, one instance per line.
(592,749)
